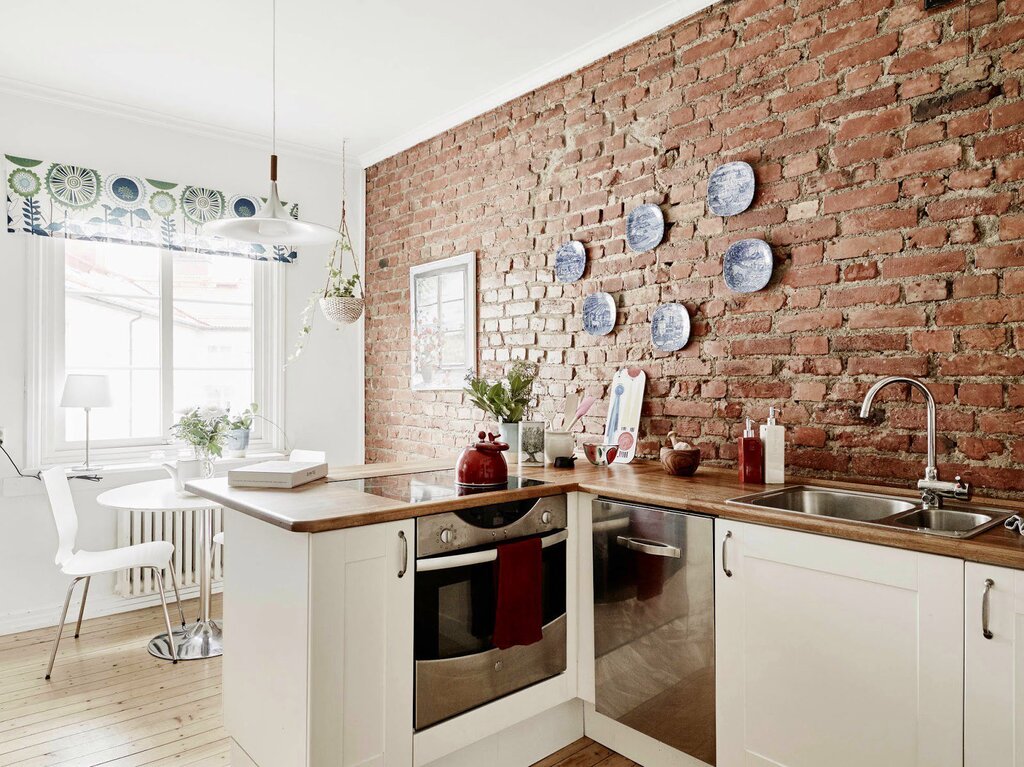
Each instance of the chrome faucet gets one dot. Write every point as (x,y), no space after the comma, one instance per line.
(932,489)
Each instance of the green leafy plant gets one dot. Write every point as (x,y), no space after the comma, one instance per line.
(204,429)
(244,419)
(507,399)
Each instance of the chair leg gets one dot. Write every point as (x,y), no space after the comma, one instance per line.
(167,615)
(81,609)
(60,626)
(177,594)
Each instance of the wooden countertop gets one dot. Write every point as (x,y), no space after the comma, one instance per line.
(326,505)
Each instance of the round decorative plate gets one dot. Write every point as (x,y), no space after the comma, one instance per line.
(570,261)
(645,227)
(748,265)
(598,314)
(670,327)
(731,188)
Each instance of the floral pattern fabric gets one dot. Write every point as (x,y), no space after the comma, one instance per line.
(51,199)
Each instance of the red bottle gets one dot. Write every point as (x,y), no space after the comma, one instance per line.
(751,456)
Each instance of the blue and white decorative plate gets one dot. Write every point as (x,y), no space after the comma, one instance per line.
(598,314)
(731,188)
(570,261)
(645,228)
(748,265)
(670,327)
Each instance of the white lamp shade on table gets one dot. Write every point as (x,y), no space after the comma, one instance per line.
(86,390)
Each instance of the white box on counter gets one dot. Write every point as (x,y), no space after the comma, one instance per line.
(277,474)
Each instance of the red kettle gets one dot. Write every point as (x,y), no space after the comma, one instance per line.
(482,464)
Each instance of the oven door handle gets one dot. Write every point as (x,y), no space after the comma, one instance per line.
(478,557)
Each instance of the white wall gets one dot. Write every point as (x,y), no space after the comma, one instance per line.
(323,388)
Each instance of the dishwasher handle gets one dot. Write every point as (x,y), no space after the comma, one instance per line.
(654,548)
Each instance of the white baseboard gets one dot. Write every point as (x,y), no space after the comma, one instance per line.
(46,617)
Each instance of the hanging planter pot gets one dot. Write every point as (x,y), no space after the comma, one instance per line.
(342,311)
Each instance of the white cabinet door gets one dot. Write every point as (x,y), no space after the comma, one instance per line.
(361,655)
(994,667)
(833,652)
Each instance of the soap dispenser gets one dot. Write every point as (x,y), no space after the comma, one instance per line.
(750,456)
(773,439)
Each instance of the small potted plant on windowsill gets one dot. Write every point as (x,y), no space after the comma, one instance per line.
(507,399)
(236,439)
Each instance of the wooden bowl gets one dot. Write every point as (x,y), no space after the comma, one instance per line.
(680,463)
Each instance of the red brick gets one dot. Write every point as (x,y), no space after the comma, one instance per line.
(965,207)
(921,162)
(897,317)
(980,312)
(862,198)
(808,321)
(931,263)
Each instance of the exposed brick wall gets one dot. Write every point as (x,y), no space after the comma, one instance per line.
(888,144)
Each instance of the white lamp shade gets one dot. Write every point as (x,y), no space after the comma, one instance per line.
(272,226)
(86,390)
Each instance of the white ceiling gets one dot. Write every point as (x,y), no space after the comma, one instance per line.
(384,73)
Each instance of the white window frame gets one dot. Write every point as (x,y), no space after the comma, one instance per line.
(45,366)
(466,264)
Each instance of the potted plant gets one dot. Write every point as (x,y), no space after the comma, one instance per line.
(507,399)
(236,439)
(204,430)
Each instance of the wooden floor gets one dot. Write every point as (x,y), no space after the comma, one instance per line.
(109,702)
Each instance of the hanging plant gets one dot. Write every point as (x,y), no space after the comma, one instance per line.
(341,300)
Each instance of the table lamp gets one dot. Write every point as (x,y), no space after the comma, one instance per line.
(86,391)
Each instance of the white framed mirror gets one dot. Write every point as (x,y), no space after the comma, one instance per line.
(442,322)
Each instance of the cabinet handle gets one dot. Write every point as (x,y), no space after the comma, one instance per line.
(654,548)
(405,553)
(725,567)
(985,632)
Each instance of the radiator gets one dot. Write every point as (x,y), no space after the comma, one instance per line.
(180,528)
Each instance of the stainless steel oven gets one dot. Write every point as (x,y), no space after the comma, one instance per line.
(457,665)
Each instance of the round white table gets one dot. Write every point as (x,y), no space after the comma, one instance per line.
(202,639)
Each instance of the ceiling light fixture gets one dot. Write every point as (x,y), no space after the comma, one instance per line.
(272,225)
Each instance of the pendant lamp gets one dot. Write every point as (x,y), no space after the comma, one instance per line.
(272,225)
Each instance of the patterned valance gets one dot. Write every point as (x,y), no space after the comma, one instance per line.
(52,199)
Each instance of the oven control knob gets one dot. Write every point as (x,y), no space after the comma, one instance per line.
(447,535)
(545,518)
(499,666)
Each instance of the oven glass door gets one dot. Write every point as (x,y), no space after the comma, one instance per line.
(457,665)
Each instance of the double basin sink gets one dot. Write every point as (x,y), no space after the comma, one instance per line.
(955,520)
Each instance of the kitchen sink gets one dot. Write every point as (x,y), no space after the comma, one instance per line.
(952,522)
(826,502)
(956,520)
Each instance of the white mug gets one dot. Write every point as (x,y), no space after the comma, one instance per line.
(558,444)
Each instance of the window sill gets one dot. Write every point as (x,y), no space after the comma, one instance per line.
(116,475)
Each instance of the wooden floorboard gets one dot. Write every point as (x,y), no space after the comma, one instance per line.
(110,703)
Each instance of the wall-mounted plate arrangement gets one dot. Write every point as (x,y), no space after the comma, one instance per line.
(670,327)
(748,265)
(570,261)
(598,314)
(731,188)
(645,228)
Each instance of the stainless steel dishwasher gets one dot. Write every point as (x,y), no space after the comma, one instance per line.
(654,623)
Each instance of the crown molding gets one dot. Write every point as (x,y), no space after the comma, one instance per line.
(46,94)
(616,39)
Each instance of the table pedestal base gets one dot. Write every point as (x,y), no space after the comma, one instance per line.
(194,642)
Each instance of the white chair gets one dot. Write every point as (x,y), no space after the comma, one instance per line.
(82,565)
(295,455)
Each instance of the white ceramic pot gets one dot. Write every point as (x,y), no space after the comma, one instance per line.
(558,444)
(185,470)
(236,442)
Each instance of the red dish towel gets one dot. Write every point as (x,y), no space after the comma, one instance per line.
(518,618)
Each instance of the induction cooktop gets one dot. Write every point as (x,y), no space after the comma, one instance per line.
(426,486)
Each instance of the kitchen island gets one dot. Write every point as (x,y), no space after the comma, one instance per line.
(319,621)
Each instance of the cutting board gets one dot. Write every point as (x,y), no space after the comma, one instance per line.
(625,398)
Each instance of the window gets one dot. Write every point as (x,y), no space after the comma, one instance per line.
(171,330)
(443,322)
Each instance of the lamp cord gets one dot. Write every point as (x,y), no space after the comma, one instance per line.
(20,472)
